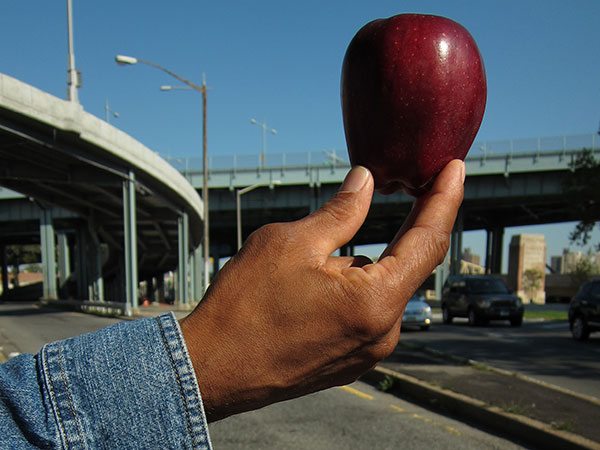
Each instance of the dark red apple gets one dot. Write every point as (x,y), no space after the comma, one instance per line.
(413,95)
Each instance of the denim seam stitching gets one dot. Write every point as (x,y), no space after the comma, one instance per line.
(195,389)
(72,407)
(55,401)
(187,413)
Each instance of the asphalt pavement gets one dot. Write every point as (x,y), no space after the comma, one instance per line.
(539,414)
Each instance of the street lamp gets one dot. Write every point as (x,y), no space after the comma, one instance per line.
(264,127)
(109,112)
(74,76)
(238,203)
(123,60)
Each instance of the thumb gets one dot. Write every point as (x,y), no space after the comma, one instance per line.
(338,220)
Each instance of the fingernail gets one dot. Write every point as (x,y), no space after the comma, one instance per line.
(355,179)
(463,172)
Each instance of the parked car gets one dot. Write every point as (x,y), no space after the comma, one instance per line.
(417,313)
(480,298)
(584,310)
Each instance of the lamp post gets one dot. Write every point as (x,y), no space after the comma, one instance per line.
(264,127)
(129,60)
(109,111)
(238,203)
(73,80)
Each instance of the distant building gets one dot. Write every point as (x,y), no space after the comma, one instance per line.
(556,264)
(527,267)
(468,268)
(469,257)
(566,262)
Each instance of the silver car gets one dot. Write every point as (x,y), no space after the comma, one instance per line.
(417,313)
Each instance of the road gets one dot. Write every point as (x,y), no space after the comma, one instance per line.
(24,327)
(350,417)
(542,350)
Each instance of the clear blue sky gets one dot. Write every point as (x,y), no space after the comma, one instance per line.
(280,62)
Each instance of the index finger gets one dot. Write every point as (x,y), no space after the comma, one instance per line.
(422,242)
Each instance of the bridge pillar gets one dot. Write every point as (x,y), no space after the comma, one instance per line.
(494,244)
(314,198)
(216,258)
(441,275)
(197,274)
(64,259)
(48,253)
(81,262)
(130,247)
(96,289)
(347,250)
(4,268)
(456,243)
(183,255)
(160,288)
(452,261)
(192,263)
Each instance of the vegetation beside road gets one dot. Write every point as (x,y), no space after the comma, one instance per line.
(534,314)
(545,314)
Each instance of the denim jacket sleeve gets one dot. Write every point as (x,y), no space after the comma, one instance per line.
(128,386)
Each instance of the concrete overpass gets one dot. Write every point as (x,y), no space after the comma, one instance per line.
(53,151)
(116,205)
(509,183)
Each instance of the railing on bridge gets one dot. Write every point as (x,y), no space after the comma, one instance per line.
(339,158)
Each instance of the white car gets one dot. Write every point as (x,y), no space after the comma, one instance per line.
(417,313)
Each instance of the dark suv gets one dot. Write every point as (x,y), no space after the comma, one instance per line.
(584,310)
(480,298)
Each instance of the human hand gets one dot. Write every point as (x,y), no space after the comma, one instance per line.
(284,318)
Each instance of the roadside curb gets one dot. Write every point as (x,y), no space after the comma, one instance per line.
(472,362)
(525,429)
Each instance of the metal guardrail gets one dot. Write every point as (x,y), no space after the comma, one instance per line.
(339,158)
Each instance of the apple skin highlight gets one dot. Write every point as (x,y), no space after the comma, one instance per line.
(413,92)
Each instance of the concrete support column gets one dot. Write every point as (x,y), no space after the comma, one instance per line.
(456,243)
(97,287)
(441,275)
(48,253)
(81,265)
(488,251)
(182,260)
(197,272)
(160,288)
(192,269)
(314,199)
(216,258)
(130,245)
(4,268)
(150,290)
(347,250)
(64,259)
(494,244)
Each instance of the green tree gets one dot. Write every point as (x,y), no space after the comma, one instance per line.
(34,268)
(581,186)
(21,254)
(582,271)
(532,281)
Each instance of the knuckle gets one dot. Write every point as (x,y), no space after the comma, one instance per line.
(336,209)
(434,244)
(266,236)
(369,320)
(382,349)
